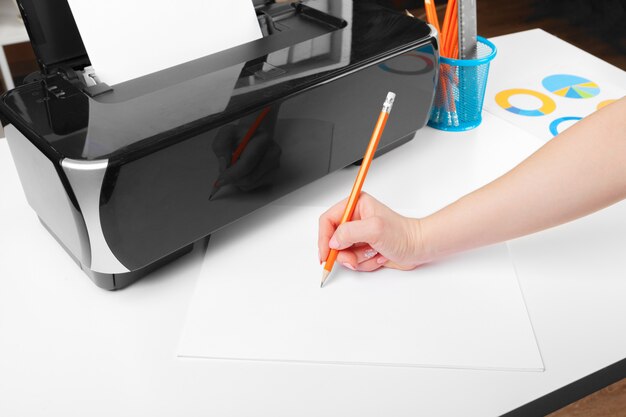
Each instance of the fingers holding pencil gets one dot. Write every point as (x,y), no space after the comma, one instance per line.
(376,236)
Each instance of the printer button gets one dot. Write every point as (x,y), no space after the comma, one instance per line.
(56,91)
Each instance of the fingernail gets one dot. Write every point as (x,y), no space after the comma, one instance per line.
(333,244)
(347,265)
(381,260)
(319,256)
(369,253)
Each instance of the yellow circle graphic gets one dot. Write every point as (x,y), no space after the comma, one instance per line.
(547,107)
(605,103)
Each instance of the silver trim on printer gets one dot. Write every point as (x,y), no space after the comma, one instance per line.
(46,195)
(435,34)
(86,178)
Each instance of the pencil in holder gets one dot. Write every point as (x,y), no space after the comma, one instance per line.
(460,92)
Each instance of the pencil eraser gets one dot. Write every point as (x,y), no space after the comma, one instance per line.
(389,101)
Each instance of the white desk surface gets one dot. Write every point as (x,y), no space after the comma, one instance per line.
(68,348)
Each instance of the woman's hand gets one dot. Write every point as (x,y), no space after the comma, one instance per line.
(580,171)
(377,236)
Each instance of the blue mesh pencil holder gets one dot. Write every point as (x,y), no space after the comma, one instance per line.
(460,93)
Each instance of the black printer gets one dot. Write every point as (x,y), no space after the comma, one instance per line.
(128,177)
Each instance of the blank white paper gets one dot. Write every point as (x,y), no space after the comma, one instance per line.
(259,298)
(130,39)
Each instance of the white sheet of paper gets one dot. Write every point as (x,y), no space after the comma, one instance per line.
(259,298)
(130,39)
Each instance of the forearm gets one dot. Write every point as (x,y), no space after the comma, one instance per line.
(580,171)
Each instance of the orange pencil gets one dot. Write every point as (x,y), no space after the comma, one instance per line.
(242,145)
(444,28)
(448,30)
(452,39)
(360,178)
(431,14)
(452,30)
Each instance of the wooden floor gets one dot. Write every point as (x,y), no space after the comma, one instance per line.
(498,17)
(608,402)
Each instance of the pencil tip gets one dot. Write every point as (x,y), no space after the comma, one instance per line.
(325,274)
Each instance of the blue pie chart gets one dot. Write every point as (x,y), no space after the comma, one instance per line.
(570,86)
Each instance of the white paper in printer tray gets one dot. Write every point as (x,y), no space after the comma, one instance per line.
(129,39)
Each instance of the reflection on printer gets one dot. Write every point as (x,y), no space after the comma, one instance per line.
(121,174)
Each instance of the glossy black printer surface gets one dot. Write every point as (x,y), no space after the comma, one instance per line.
(129,176)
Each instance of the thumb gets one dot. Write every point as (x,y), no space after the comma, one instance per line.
(358,231)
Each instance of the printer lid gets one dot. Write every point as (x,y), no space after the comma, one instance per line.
(163,108)
(53,34)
